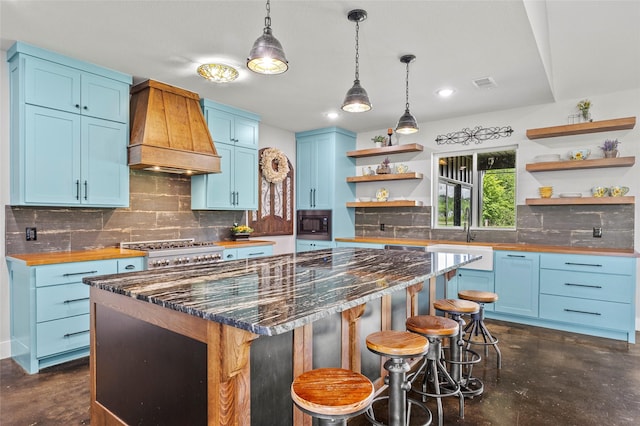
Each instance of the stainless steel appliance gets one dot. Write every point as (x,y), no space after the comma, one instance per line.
(314,225)
(180,252)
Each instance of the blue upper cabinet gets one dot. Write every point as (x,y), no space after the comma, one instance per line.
(70,131)
(321,176)
(235,134)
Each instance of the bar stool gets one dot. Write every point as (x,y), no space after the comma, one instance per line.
(398,346)
(461,357)
(332,395)
(442,384)
(476,327)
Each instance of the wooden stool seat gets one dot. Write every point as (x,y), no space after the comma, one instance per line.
(431,325)
(397,343)
(332,392)
(478,296)
(456,305)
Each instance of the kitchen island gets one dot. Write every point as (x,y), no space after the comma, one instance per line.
(173,346)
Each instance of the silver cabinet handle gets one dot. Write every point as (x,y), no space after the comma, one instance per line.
(78,189)
(86,190)
(583,285)
(75,334)
(75,300)
(130,267)
(583,264)
(582,312)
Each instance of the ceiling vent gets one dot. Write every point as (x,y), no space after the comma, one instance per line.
(484,83)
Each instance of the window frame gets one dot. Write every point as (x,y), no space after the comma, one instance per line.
(476,188)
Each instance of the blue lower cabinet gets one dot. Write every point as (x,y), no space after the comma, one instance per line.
(517,283)
(311,245)
(50,309)
(359,245)
(247,252)
(471,279)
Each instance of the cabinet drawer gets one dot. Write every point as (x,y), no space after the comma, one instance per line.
(250,252)
(613,288)
(589,313)
(62,335)
(60,301)
(130,264)
(73,272)
(584,263)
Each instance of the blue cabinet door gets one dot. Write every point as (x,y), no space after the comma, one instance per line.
(52,157)
(517,283)
(306,174)
(471,279)
(220,125)
(311,245)
(104,98)
(245,178)
(105,174)
(246,132)
(324,165)
(52,85)
(218,186)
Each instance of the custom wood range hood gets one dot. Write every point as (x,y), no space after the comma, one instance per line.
(169,132)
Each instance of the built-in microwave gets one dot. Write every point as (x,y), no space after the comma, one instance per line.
(314,224)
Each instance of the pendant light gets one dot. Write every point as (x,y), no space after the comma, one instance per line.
(407,123)
(267,55)
(357,99)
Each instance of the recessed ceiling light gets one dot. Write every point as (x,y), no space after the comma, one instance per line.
(218,73)
(445,92)
(332,115)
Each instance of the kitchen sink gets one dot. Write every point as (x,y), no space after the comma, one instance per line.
(484,264)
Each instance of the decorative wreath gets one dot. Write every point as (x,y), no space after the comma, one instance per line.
(274,165)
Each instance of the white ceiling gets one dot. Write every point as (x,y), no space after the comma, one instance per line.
(537,51)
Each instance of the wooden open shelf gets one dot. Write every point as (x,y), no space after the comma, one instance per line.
(582,128)
(398,203)
(385,150)
(579,201)
(581,164)
(389,176)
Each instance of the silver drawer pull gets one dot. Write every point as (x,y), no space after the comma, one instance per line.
(515,255)
(130,267)
(583,285)
(76,300)
(75,334)
(582,312)
(256,254)
(70,274)
(583,264)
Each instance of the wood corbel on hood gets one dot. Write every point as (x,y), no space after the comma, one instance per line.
(169,132)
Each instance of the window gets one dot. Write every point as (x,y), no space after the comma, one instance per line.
(478,187)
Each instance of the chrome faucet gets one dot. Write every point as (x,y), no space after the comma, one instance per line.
(467,225)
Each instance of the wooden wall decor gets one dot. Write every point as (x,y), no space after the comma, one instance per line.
(275,214)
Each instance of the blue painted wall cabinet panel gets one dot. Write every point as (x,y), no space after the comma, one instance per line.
(69,131)
(517,283)
(235,134)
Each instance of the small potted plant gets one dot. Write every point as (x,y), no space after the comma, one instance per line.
(610,148)
(379,140)
(584,106)
(240,232)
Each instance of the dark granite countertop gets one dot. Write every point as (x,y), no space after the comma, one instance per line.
(275,294)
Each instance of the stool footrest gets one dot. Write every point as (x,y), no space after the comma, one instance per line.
(371,416)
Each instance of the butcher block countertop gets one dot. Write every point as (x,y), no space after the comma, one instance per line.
(50,258)
(540,248)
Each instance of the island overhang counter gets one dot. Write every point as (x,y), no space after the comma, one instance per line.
(173,346)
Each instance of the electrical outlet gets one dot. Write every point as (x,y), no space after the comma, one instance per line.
(31,234)
(597,232)
(382,226)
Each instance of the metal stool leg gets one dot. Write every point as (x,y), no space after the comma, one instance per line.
(477,328)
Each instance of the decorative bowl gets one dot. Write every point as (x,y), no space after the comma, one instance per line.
(618,191)
(579,154)
(546,191)
(599,191)
(364,199)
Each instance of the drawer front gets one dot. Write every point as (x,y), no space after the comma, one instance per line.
(612,288)
(583,263)
(62,335)
(64,273)
(590,313)
(130,264)
(61,301)
(249,252)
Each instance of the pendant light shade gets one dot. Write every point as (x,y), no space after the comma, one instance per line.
(357,99)
(407,123)
(267,55)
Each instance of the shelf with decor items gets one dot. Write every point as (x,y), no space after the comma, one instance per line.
(381,177)
(582,128)
(597,163)
(397,203)
(385,150)
(579,201)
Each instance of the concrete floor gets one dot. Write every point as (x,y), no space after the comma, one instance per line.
(547,378)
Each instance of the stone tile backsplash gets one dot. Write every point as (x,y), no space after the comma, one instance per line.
(159,208)
(548,225)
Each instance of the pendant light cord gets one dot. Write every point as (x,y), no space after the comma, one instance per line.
(357,51)
(407,88)
(267,19)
